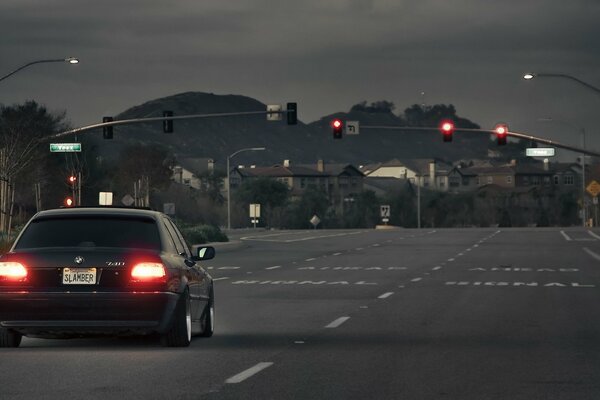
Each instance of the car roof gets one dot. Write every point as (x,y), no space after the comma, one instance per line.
(99,211)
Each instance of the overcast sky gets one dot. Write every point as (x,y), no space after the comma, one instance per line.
(325,54)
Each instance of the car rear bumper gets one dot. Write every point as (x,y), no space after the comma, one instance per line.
(65,314)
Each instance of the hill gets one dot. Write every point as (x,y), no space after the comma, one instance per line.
(219,137)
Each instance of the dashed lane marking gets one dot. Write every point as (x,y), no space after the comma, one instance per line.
(416,279)
(242,376)
(223,268)
(274,267)
(337,322)
(310,259)
(593,234)
(385,295)
(591,253)
(436,268)
(567,237)
(221,278)
(337,254)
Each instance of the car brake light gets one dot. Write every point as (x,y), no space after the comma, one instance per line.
(12,271)
(148,271)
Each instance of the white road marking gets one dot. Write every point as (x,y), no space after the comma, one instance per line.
(228,268)
(274,267)
(299,342)
(385,295)
(436,268)
(242,376)
(475,245)
(262,238)
(450,259)
(376,245)
(416,279)
(337,322)
(591,253)
(567,237)
(523,284)
(593,234)
(358,249)
(337,254)
(221,278)
(460,254)
(310,259)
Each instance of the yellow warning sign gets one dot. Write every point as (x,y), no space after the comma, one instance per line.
(593,188)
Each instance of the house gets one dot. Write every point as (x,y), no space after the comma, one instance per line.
(339,181)
(189,171)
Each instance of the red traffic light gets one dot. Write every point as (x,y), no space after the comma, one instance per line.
(501,133)
(69,202)
(338,127)
(72,179)
(447,128)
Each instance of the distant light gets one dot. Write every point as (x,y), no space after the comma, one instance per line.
(72,60)
(528,76)
(500,130)
(337,123)
(447,126)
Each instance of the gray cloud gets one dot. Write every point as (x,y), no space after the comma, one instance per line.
(327,54)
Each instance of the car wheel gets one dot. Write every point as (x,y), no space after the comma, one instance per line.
(180,333)
(9,338)
(208,317)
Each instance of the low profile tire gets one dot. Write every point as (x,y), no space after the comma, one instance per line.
(9,338)
(180,333)
(208,317)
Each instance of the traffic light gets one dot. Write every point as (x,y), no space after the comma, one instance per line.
(167,123)
(72,180)
(501,133)
(69,202)
(292,113)
(107,131)
(338,128)
(447,128)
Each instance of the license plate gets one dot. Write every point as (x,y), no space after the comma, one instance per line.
(79,276)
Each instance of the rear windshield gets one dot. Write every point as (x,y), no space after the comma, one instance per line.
(91,231)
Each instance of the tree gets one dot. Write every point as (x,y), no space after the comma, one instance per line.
(267,192)
(145,167)
(23,128)
(313,201)
(363,211)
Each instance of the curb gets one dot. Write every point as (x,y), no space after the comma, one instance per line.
(225,247)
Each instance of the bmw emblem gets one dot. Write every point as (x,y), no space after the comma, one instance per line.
(79,260)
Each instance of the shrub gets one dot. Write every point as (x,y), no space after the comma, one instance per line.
(200,234)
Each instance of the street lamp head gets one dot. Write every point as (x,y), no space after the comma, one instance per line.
(72,60)
(528,76)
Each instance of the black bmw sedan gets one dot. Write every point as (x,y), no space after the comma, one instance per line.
(77,272)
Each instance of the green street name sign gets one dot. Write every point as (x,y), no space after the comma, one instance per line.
(540,152)
(65,147)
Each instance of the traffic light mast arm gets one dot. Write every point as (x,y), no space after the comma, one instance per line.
(490,132)
(153,119)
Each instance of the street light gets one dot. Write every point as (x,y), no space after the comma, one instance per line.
(229,182)
(70,60)
(582,132)
(530,75)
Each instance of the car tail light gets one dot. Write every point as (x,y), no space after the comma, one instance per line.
(12,271)
(148,272)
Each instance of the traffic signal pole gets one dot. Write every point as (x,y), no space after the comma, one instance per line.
(518,135)
(164,118)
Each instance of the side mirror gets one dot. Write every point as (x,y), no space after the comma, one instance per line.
(201,253)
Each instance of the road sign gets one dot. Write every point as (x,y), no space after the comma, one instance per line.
(127,200)
(352,127)
(593,188)
(169,208)
(65,147)
(540,152)
(274,116)
(385,211)
(254,211)
(315,220)
(105,199)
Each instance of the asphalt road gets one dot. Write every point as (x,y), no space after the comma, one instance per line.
(406,314)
